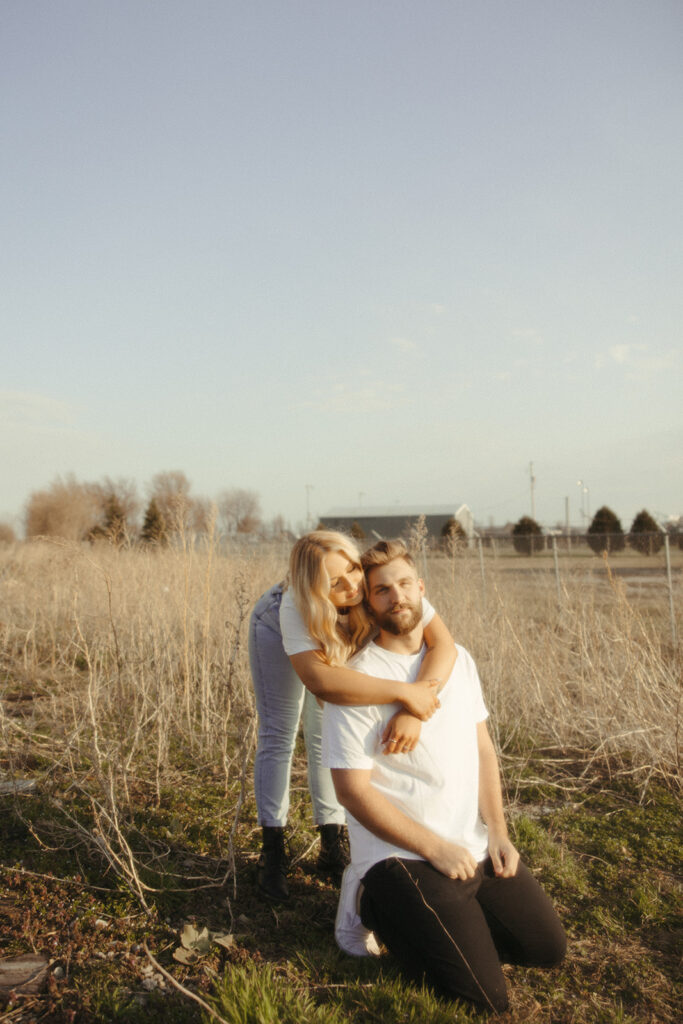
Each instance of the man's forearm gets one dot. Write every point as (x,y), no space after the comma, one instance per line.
(504,856)
(490,792)
(440,655)
(378,815)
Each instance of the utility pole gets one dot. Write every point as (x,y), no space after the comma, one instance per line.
(532,481)
(566,521)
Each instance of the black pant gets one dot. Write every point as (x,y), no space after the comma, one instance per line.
(454,933)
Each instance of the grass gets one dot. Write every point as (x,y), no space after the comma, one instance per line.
(608,859)
(125,695)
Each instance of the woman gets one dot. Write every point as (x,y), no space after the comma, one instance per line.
(300,635)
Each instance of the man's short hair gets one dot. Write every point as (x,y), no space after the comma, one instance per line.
(383,552)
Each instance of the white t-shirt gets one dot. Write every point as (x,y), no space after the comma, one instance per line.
(295,635)
(437,785)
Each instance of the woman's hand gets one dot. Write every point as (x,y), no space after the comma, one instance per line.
(420,698)
(401,733)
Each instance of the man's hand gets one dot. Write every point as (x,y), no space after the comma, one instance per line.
(453,861)
(420,698)
(504,856)
(401,733)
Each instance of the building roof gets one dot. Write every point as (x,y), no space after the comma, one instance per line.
(401,511)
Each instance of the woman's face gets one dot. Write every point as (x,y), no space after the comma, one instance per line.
(346,580)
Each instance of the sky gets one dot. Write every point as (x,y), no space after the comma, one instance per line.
(344,252)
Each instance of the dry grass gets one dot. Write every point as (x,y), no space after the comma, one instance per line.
(125,692)
(591,675)
(140,657)
(129,667)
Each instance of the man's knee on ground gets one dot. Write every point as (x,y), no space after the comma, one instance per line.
(556,949)
(491,997)
(550,950)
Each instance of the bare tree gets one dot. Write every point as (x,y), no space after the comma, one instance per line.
(66,509)
(202,515)
(171,492)
(239,511)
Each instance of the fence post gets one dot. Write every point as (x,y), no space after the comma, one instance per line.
(671,589)
(557,571)
(481,566)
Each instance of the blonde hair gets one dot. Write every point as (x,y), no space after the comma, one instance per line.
(383,552)
(309,582)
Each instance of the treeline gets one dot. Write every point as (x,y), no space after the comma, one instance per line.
(112,511)
(605,533)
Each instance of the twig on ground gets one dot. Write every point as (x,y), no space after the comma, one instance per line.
(181,988)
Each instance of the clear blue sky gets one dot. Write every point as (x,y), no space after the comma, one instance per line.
(390,248)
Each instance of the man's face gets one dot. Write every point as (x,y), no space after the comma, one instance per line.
(395,597)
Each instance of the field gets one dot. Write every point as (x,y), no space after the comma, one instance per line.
(128,838)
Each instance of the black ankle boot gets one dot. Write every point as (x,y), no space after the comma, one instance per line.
(272,865)
(334,851)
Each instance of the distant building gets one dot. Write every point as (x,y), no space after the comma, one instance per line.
(382,523)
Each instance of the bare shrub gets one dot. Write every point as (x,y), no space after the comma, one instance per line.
(140,660)
(67,509)
(7,534)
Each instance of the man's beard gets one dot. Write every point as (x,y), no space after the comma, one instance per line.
(399,627)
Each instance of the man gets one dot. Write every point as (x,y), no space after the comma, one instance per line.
(443,887)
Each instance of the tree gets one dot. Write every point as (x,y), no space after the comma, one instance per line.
(171,492)
(154,526)
(118,498)
(66,509)
(113,527)
(527,536)
(605,532)
(645,535)
(201,515)
(239,511)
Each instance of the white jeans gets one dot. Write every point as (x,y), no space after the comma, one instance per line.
(280,698)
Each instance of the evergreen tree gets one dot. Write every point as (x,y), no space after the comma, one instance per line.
(605,532)
(154,527)
(527,536)
(113,525)
(115,521)
(644,535)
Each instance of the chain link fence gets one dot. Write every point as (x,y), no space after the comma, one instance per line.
(653,560)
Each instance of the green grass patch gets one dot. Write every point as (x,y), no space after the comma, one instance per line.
(609,862)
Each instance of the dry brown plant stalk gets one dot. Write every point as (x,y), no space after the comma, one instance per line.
(135,664)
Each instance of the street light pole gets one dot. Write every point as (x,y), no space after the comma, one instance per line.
(585,497)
